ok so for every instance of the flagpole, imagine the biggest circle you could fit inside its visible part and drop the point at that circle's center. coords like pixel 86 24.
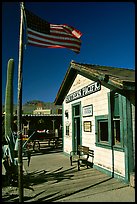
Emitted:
pixel 19 108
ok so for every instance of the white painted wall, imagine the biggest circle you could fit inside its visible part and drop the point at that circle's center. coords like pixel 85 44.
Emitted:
pixel 99 99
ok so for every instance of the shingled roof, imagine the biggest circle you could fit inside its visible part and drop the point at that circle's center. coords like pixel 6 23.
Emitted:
pixel 111 77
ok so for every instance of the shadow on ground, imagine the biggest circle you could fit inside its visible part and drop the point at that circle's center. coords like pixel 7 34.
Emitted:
pixel 49 186
pixel 42 176
pixel 35 178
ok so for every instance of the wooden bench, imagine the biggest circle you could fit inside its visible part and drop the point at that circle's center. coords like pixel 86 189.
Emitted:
pixel 82 156
pixel 48 141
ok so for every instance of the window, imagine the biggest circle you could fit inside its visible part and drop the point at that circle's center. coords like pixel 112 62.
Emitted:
pixel 103 130
pixel 77 110
pixel 115 119
pixel 109 128
pixel 115 106
pixel 102 136
pixel 116 125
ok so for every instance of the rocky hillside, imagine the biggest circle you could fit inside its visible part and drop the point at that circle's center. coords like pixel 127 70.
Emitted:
pixel 30 106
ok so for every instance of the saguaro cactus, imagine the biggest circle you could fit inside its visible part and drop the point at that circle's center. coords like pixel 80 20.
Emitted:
pixel 9 107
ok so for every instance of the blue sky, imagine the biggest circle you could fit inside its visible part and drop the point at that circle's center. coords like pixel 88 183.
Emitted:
pixel 108 38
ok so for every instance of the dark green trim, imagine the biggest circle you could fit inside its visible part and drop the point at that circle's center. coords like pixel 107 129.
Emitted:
pixel 103 145
pixel 129 85
pixel 110 145
pixel 100 117
pixel 72 127
pixel 121 121
pixel 128 138
pixel 63 133
pixel 118 148
pixel 110 120
pixel 126 135
pixel 99 143
pixel 80 124
pixel 72 108
pixel 125 138
pixel 109 173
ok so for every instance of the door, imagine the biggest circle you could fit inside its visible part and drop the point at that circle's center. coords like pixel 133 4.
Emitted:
pixel 76 136
pixel 76 132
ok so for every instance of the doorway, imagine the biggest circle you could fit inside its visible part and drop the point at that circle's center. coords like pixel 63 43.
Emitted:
pixel 76 136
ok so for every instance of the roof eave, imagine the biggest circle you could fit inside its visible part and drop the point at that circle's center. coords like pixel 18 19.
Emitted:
pixel 105 80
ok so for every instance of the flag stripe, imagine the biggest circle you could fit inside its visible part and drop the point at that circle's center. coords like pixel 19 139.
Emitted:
pixel 67 29
pixel 51 46
pixel 48 35
pixel 59 38
pixel 53 42
pixel 54 35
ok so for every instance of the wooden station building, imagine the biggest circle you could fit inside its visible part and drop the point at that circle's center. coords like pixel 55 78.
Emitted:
pixel 98 110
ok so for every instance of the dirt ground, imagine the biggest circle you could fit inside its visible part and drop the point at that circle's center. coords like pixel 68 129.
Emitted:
pixel 50 178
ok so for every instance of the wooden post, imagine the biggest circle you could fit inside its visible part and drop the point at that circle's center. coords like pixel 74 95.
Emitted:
pixel 19 108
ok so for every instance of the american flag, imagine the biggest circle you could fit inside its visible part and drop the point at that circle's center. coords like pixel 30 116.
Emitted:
pixel 43 34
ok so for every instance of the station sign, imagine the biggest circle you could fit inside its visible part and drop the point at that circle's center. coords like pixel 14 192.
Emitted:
pixel 91 88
